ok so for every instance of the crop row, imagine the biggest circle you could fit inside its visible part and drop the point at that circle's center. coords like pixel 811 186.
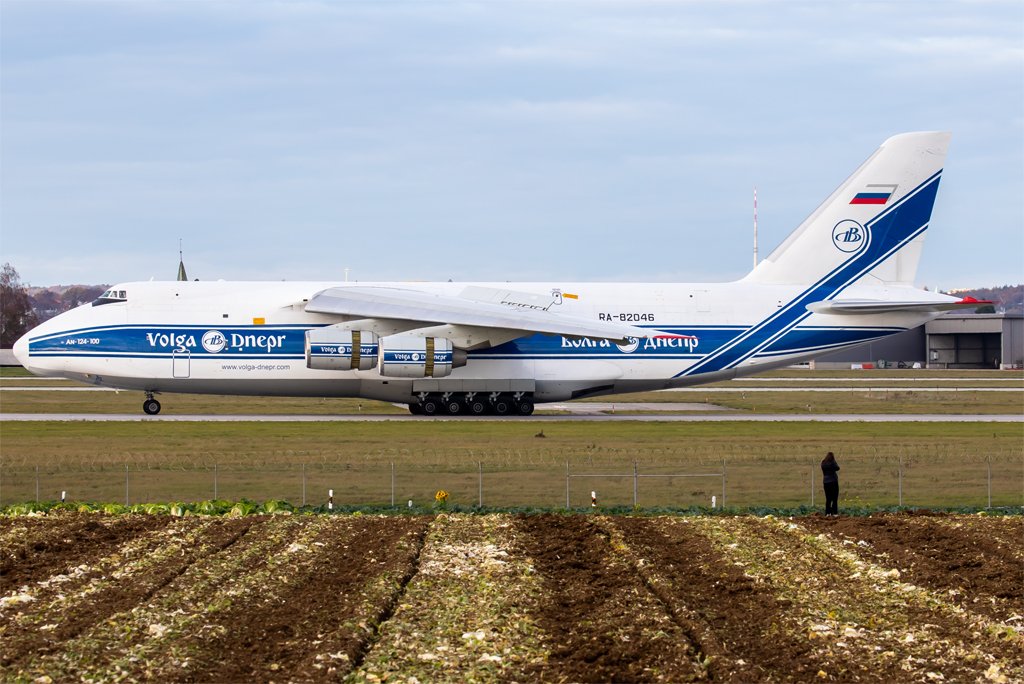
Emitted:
pixel 498 597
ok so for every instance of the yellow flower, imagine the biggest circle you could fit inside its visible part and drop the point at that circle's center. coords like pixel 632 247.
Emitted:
pixel 441 496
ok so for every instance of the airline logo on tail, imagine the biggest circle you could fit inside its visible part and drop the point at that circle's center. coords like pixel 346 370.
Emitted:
pixel 848 235
pixel 874 194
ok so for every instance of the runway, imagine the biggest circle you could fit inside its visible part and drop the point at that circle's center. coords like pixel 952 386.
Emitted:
pixel 587 417
pixel 704 390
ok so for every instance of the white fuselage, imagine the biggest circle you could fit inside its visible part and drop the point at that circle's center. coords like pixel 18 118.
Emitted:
pixel 158 339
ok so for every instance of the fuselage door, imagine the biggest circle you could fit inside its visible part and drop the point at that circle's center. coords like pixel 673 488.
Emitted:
pixel 702 299
pixel 181 359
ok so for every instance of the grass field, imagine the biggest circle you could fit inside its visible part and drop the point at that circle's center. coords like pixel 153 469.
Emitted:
pixel 525 464
pixel 765 464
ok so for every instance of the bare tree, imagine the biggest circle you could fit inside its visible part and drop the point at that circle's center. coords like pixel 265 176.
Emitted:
pixel 77 295
pixel 16 316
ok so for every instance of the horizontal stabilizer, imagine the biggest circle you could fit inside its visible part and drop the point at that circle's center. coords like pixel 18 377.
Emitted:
pixel 879 306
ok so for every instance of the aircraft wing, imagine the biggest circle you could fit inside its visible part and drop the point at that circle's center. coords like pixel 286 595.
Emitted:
pixel 509 316
pixel 881 306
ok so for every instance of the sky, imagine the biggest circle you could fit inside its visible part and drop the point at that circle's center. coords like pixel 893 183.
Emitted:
pixel 430 140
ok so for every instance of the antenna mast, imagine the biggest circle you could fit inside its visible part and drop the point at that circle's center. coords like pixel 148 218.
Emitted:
pixel 181 263
pixel 755 226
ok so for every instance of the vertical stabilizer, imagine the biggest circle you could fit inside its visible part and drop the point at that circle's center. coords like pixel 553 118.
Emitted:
pixel 872 226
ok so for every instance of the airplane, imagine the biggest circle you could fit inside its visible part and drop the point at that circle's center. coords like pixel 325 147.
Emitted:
pixel 843 278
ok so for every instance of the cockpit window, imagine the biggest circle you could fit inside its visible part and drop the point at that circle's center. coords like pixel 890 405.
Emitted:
pixel 111 297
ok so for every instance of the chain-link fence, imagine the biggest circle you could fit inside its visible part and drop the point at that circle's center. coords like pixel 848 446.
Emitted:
pixel 937 477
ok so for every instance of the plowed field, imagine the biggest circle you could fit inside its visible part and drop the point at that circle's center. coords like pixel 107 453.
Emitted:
pixel 895 597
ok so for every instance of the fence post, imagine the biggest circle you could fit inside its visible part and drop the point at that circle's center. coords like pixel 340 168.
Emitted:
pixel 812 485
pixel 392 484
pixel 634 484
pixel 988 462
pixel 37 484
pixel 125 484
pixel 215 497
pixel 899 471
pixel 303 484
pixel 567 485
pixel 723 483
pixel 480 467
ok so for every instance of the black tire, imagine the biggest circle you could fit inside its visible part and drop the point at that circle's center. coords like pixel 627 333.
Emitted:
pixel 416 409
pixel 525 407
pixel 476 407
pixel 151 407
pixel 430 406
pixel 453 407
pixel 501 406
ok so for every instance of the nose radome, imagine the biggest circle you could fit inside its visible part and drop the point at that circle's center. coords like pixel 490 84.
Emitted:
pixel 21 350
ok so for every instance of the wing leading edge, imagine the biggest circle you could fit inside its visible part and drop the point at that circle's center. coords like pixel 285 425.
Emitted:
pixel 478 309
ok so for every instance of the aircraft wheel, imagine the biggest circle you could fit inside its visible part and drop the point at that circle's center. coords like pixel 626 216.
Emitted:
pixel 453 407
pixel 476 407
pixel 430 406
pixel 525 407
pixel 416 409
pixel 501 406
pixel 151 406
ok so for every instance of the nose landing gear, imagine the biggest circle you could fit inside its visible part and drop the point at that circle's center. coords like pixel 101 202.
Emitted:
pixel 151 406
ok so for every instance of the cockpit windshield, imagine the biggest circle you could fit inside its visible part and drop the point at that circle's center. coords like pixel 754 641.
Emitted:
pixel 111 296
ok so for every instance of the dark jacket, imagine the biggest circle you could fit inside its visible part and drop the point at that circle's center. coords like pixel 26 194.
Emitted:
pixel 829 472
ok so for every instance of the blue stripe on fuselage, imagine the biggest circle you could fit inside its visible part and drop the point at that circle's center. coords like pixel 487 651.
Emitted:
pixel 888 232
pixel 134 342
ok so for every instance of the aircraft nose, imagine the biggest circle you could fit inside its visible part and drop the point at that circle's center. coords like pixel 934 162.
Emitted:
pixel 21 350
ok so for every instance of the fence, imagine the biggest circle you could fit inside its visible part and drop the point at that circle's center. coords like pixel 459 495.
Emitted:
pixel 645 480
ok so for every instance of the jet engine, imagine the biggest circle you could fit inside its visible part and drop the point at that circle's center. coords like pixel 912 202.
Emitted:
pixel 333 349
pixel 410 356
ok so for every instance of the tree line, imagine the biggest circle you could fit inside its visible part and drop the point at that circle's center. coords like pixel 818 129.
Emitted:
pixel 22 307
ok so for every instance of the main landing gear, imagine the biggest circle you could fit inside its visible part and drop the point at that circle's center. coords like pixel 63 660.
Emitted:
pixel 151 406
pixel 473 404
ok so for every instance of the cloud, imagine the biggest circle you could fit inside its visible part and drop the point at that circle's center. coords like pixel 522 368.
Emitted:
pixel 517 138
pixel 588 109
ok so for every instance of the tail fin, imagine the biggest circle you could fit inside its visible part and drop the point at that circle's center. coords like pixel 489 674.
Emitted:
pixel 872 226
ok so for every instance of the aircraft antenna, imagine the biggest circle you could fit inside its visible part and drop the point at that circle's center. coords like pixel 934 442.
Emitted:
pixel 755 226
pixel 181 263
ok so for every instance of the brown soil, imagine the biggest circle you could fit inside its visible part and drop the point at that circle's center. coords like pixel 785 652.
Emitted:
pixel 730 618
pixel 987 576
pixel 51 545
pixel 943 627
pixel 321 610
pixel 20 646
pixel 601 622
pixel 1007 532
pixel 622 598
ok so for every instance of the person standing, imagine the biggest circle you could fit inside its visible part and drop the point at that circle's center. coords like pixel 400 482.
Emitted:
pixel 830 478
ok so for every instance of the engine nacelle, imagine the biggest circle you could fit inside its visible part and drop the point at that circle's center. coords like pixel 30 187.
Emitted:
pixel 409 356
pixel 332 349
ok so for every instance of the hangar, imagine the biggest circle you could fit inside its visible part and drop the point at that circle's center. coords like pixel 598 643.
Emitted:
pixel 975 341
pixel 956 340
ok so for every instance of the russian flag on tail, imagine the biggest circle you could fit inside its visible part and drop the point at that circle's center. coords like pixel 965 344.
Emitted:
pixel 874 194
